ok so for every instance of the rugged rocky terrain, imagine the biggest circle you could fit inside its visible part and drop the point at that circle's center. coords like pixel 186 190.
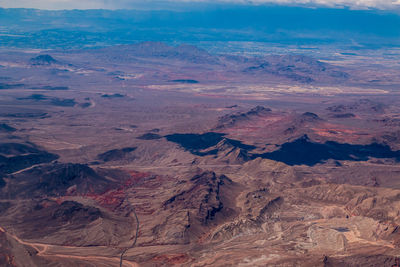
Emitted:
pixel 216 159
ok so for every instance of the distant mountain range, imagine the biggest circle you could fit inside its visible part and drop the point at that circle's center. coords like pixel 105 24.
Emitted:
pixel 286 25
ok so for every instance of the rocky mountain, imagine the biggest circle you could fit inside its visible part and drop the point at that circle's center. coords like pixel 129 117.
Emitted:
pixel 17 156
pixel 206 199
pixel 54 180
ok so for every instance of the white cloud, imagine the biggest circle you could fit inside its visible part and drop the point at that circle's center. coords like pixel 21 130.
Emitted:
pixel 54 4
pixel 115 4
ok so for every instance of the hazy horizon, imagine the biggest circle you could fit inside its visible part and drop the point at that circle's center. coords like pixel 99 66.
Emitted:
pixel 388 5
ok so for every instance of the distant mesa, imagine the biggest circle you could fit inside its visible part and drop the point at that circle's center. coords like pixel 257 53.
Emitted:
pixel 52 88
pixel 116 95
pixel 343 115
pixel 34 97
pixel 149 136
pixel 26 115
pixel 115 154
pixel 63 102
pixel 230 120
pixel 5 128
pixel 43 60
pixel 4 86
pixel 232 106
pixel 55 101
pixel 184 81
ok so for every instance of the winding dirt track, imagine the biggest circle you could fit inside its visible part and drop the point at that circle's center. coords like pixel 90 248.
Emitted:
pixel 44 248
pixel 134 241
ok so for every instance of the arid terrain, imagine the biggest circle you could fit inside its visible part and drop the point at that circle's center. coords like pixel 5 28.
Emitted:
pixel 218 159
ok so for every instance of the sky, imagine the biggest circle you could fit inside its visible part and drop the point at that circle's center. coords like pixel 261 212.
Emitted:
pixel 151 4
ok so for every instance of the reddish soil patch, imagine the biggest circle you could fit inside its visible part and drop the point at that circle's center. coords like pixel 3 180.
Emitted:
pixel 136 177
pixel 113 198
pixel 259 126
pixel 172 258
pixel 340 133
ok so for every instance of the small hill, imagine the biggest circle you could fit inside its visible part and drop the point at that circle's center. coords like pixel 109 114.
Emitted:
pixel 149 136
pixel 230 120
pixel 116 95
pixel 115 154
pixel 43 60
pixel 5 128
pixel 308 117
pixel 54 101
